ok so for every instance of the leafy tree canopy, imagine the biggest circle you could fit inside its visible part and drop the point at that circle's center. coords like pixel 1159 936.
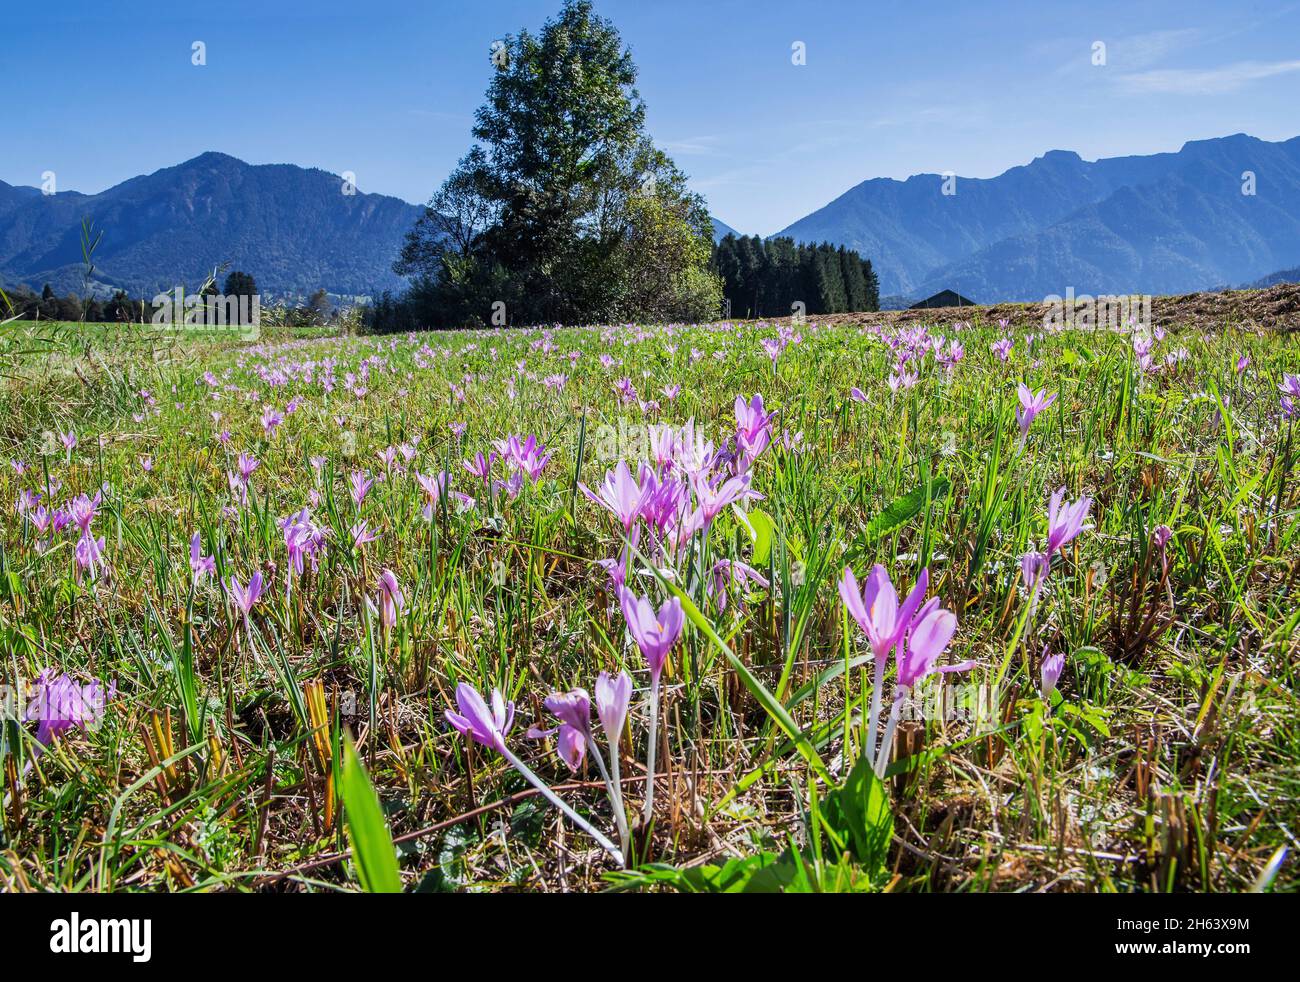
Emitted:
pixel 564 210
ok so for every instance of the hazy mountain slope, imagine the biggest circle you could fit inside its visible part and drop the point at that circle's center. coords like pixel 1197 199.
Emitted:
pixel 1004 237
pixel 291 227
pixel 721 229
pixel 1190 229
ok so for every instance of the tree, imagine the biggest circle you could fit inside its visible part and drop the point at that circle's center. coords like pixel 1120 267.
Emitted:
pixel 855 285
pixel 871 295
pixel 319 306
pixel 240 284
pixel 765 278
pixel 566 210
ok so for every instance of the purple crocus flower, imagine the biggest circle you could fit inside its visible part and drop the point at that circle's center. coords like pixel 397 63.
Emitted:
pixel 655 634
pixel 753 427
pixel 1051 672
pixel 735 574
pixel 620 493
pixel 876 608
pixel 391 601
pixel 613 696
pixel 434 488
pixel 1031 404
pixel 480 466
pixel 927 638
pixel 713 499
pixel 1033 567
pixel 360 486
pixel 476 721
pixel 58 704
pixel 271 420
pixel 244 598
pixel 361 534
pixel 200 565
pixel 573 708
pixel 89 554
pixel 1290 389
pixel 247 464
pixel 1065 522
pixel 83 509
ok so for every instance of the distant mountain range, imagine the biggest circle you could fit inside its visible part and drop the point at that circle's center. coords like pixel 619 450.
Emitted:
pixel 293 228
pixel 1165 223
pixel 1272 279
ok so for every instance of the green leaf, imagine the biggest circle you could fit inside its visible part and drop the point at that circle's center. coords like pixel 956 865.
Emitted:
pixel 762 530
pixel 860 815
pixel 372 846
pixel 903 510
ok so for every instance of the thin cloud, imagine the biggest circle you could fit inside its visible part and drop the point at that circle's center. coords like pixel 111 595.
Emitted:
pixel 1142 50
pixel 700 146
pixel 1206 81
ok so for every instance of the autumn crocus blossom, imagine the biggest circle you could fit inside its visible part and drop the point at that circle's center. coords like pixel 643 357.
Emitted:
pixel 1031 404
pixel 753 427
pixel 200 565
pixel 58 704
pixel 482 725
pixel 613 695
pixel 434 488
pixel 1290 389
pixel 1065 521
pixel 1051 672
pixel 876 609
pixel 573 709
pixel 620 493
pixel 391 601
pixel 490 727
pixel 655 634
pixel 925 640
pixel 245 597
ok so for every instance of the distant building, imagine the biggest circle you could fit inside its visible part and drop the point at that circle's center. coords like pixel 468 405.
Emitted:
pixel 944 298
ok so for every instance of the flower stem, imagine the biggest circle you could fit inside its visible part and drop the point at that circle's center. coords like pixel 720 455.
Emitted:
pixel 614 791
pixel 874 716
pixel 887 744
pixel 650 753
pixel 555 800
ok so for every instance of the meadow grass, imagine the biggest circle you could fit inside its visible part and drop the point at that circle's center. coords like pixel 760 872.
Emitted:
pixel 1168 758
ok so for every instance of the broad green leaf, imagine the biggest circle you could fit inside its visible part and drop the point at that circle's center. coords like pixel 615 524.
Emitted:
pixel 762 530
pixel 859 813
pixel 372 846
pixel 903 510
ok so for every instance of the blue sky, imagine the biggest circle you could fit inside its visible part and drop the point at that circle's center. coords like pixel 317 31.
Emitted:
pixel 99 92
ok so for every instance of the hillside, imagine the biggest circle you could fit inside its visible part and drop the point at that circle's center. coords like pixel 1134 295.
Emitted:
pixel 291 227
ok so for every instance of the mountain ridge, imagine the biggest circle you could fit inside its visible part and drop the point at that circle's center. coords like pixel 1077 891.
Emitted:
pixel 294 228
pixel 991 240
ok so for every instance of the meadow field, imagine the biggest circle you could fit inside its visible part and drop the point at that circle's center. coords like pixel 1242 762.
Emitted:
pixel 948 607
